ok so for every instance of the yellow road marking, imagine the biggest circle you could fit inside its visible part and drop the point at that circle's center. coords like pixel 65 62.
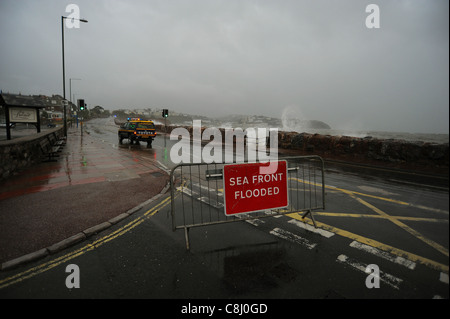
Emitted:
pixel 382 214
pixel 399 252
pixel 395 219
pixel 399 202
pixel 413 232
pixel 417 219
pixel 395 201
pixel 99 242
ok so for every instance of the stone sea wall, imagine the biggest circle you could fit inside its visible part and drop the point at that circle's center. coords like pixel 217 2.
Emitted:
pixel 22 152
pixel 383 150
pixel 364 150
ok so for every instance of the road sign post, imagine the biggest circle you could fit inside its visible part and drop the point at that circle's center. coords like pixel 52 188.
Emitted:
pixel 247 188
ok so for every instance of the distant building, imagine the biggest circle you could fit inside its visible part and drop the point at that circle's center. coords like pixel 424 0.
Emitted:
pixel 53 107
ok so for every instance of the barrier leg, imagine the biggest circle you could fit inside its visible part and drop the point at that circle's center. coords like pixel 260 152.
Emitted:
pixel 311 215
pixel 186 237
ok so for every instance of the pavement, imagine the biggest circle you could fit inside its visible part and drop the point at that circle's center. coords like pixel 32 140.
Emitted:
pixel 52 205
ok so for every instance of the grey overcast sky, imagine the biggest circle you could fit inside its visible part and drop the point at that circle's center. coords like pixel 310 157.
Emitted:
pixel 219 57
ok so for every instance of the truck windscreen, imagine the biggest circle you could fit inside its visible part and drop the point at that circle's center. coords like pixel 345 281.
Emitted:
pixel 145 126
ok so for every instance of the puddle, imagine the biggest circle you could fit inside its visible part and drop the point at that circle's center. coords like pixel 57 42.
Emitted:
pixel 376 190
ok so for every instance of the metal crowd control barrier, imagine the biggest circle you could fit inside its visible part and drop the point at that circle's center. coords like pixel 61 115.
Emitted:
pixel 197 197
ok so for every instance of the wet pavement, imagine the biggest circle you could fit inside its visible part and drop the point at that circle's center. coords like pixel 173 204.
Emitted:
pixel 89 184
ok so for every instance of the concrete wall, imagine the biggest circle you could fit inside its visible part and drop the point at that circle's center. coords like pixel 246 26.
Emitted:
pixel 22 152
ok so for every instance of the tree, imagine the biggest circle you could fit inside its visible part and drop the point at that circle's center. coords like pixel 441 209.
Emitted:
pixel 99 111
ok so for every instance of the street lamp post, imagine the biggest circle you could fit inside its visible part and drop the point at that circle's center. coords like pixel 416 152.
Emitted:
pixel 64 70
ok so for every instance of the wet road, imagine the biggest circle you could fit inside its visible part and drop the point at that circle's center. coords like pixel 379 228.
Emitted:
pixel 370 219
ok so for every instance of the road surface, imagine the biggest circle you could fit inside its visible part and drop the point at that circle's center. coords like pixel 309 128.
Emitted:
pixel 375 222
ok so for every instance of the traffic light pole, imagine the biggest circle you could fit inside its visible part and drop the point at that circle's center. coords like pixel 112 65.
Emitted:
pixel 165 114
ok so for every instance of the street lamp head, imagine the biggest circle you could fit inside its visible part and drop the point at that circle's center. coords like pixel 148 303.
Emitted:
pixel 82 20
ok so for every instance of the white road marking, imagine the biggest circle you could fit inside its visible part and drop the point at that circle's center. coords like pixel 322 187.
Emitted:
pixel 379 253
pixel 281 233
pixel 164 167
pixel 255 222
pixel 443 277
pixel 310 228
pixel 384 277
pixel 203 199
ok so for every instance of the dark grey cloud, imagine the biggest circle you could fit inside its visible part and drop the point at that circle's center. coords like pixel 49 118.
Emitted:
pixel 247 57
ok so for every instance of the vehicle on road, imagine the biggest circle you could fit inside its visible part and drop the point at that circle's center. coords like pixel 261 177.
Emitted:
pixel 137 130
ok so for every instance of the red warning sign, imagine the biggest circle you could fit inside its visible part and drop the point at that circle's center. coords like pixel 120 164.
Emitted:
pixel 254 187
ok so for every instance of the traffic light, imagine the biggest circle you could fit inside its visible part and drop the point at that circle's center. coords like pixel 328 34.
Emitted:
pixel 165 113
pixel 81 104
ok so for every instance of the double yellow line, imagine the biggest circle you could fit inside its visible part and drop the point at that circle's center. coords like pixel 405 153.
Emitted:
pixel 73 254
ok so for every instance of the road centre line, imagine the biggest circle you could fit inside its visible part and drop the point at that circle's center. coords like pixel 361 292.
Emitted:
pixel 99 242
pixel 371 242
